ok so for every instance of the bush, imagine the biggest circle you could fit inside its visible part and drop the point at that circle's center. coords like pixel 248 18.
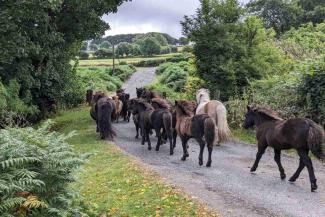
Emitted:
pixel 37 167
pixel 150 63
pixel 174 77
pixel 103 53
pixel 83 55
pixel 165 50
pixel 312 91
pixel 174 49
pixel 103 78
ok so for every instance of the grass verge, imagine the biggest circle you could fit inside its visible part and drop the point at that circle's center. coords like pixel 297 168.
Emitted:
pixel 115 184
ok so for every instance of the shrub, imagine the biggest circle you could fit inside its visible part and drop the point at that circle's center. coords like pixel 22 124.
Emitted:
pixel 174 49
pixel 312 90
pixel 150 63
pixel 83 55
pixel 36 168
pixel 103 53
pixel 163 67
pixel 165 50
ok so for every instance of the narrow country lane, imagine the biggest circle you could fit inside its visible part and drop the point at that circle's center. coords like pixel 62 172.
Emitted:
pixel 228 186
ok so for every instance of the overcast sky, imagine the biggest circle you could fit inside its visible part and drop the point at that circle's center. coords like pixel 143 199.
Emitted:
pixel 141 16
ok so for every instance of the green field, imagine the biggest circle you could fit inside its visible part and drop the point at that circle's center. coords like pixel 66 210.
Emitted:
pixel 116 185
pixel 131 60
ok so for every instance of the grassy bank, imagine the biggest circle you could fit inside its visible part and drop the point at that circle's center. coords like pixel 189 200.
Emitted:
pixel 115 184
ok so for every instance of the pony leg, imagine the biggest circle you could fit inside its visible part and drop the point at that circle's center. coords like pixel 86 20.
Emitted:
pixel 143 134
pixel 210 148
pixel 184 144
pixel 174 138
pixel 137 129
pixel 303 154
pixel 148 139
pixel 159 139
pixel 202 145
pixel 297 173
pixel 260 152
pixel 277 159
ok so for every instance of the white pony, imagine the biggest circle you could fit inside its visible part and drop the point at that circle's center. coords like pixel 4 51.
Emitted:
pixel 217 111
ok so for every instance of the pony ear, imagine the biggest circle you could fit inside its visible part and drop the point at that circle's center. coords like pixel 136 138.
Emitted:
pixel 176 102
pixel 249 108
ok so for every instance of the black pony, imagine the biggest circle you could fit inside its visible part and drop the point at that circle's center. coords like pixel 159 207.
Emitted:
pixel 140 91
pixel 302 134
pixel 158 103
pixel 149 118
pixel 105 108
pixel 89 96
pixel 135 116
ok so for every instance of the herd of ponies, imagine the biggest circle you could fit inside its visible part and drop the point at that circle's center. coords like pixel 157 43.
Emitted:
pixel 205 121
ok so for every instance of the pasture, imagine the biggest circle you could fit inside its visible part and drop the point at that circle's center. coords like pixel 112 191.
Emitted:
pixel 128 60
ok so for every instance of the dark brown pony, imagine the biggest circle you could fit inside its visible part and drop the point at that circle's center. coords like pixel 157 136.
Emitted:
pixel 301 134
pixel 149 94
pixel 105 108
pixel 97 96
pixel 158 103
pixel 89 96
pixel 189 126
pixel 149 118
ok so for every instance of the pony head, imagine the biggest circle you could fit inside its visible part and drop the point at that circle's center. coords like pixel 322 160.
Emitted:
pixel 202 95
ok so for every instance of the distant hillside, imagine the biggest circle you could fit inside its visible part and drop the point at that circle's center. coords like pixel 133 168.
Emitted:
pixel 116 39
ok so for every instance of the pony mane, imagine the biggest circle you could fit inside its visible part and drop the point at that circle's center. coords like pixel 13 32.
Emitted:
pixel 268 112
pixel 145 104
pixel 186 107
pixel 161 102
pixel 203 95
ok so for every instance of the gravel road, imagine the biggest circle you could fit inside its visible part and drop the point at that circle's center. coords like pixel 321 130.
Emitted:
pixel 228 187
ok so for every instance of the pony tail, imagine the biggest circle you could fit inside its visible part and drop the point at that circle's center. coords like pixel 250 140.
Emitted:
pixel 209 131
pixel 315 140
pixel 105 122
pixel 222 124
pixel 168 120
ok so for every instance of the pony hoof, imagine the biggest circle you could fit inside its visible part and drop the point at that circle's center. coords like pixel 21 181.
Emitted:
pixel 253 170
pixel 208 164
pixel 157 149
pixel 183 158
pixel 283 176
pixel 200 162
pixel 313 187
pixel 292 179
pixel 171 153
pixel 149 148
pixel 187 155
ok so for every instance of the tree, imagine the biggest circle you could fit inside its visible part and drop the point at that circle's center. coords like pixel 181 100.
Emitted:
pixel 124 49
pixel 150 46
pixel 183 41
pixel 105 45
pixel 38 42
pixel 93 47
pixel 281 15
pixel 84 46
pixel 231 52
pixel 136 51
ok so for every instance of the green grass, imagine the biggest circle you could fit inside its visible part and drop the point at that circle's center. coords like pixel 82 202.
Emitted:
pixel 115 184
pixel 247 136
pixel 132 60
